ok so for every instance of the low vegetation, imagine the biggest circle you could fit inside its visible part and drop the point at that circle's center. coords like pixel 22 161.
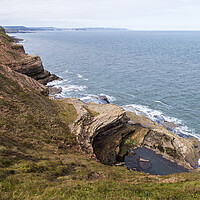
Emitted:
pixel 40 158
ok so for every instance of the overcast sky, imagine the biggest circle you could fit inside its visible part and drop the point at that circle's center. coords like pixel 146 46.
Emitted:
pixel 132 14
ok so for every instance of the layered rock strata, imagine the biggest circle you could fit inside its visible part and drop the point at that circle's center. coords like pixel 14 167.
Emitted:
pixel 111 133
pixel 24 81
pixel 13 55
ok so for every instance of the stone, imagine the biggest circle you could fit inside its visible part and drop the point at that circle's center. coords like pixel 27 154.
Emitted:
pixel 144 164
pixel 102 129
pixel 54 90
pixel 13 56
pixel 17 47
pixel 24 81
pixel 104 99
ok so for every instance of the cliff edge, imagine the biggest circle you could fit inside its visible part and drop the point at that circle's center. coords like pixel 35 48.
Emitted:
pixel 112 133
pixel 13 56
pixel 48 147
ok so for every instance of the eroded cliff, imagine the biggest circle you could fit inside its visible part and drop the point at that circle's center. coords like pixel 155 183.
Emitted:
pixel 13 55
pixel 40 157
pixel 111 134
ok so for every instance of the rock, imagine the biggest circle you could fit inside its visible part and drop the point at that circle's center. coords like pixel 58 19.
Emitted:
pixel 48 79
pixel 170 125
pixel 18 47
pixel 54 90
pixel 104 99
pixel 120 164
pixel 29 65
pixel 44 74
pixel 144 164
pixel 24 81
pixel 110 132
pixel 100 128
pixel 14 56
pixel 159 139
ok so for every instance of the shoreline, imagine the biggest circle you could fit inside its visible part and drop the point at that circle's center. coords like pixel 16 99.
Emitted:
pixel 185 127
pixel 59 90
pixel 160 119
pixel 17 40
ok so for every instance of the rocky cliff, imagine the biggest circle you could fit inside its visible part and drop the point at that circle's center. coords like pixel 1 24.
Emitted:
pixel 14 56
pixel 40 157
pixel 111 134
pixel 26 82
pixel 105 130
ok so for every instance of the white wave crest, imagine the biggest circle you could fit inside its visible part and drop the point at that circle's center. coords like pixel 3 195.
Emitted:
pixel 159 117
pixel 96 98
pixel 73 88
pixel 79 76
pixel 56 82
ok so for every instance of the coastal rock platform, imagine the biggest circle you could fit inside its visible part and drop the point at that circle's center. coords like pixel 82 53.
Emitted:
pixel 111 133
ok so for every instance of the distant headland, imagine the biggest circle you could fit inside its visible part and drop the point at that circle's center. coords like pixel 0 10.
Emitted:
pixel 24 29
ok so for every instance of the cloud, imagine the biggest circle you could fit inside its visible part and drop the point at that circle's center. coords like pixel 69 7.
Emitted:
pixel 120 13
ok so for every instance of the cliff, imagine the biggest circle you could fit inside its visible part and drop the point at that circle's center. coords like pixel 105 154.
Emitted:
pixel 111 133
pixel 48 148
pixel 14 56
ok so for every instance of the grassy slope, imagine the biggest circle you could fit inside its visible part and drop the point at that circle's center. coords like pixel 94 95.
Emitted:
pixel 40 159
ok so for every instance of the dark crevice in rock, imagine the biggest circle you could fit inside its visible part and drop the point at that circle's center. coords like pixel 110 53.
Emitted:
pixel 125 147
pixel 105 144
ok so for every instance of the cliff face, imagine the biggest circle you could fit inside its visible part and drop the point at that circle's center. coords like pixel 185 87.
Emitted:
pixel 27 83
pixel 39 155
pixel 111 133
pixel 105 130
pixel 14 56
pixel 2 30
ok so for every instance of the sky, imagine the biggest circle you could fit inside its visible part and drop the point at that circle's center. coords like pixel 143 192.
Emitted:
pixel 131 14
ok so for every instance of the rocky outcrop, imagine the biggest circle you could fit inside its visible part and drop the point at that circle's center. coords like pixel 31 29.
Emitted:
pixel 13 55
pixel 2 30
pixel 29 65
pixel 24 81
pixel 185 151
pixel 111 133
pixel 98 125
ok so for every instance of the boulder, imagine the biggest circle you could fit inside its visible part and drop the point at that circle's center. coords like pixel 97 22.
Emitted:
pixel 144 164
pixel 104 99
pixel 54 90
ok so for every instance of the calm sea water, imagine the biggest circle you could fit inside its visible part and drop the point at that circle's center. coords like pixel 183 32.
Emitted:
pixel 157 73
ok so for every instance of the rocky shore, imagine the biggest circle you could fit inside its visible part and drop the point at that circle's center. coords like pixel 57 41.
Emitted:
pixel 105 131
pixel 13 56
pixel 112 134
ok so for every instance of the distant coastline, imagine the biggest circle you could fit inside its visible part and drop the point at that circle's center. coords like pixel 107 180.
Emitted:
pixel 24 29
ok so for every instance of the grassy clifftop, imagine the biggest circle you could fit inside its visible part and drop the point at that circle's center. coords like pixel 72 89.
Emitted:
pixel 40 158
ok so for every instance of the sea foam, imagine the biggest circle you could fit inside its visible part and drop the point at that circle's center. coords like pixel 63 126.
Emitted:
pixel 157 116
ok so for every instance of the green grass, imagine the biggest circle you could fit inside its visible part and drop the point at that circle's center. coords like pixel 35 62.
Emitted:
pixel 40 158
pixel 91 112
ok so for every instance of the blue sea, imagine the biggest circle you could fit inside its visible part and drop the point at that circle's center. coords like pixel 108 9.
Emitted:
pixel 155 73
